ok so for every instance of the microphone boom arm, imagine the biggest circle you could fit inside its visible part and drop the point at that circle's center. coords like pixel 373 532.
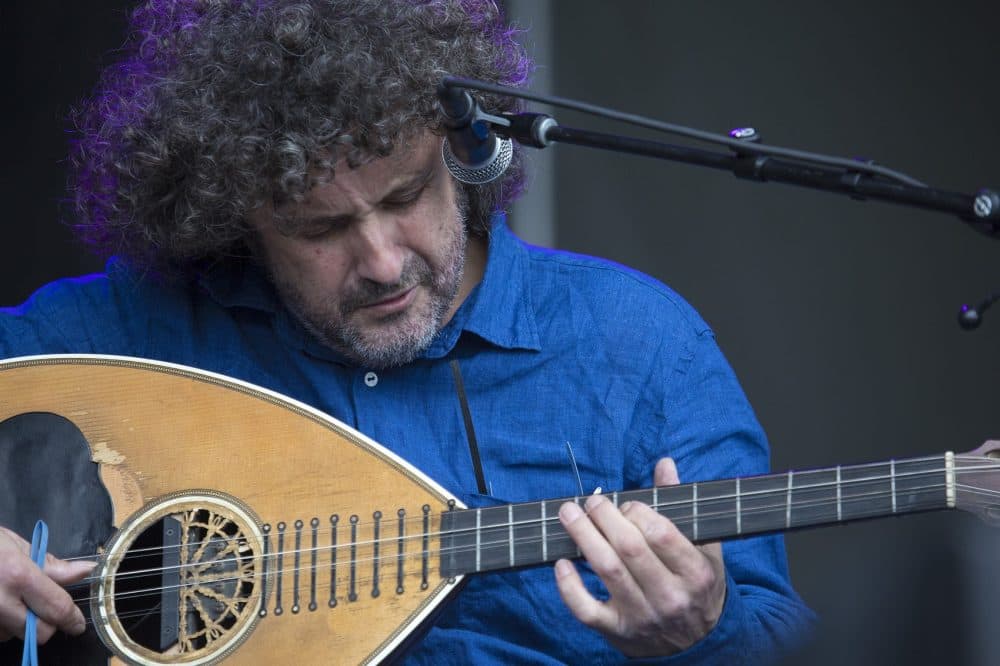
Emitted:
pixel 981 210
pixel 748 159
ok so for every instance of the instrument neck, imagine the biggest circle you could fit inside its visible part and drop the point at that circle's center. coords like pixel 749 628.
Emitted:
pixel 516 535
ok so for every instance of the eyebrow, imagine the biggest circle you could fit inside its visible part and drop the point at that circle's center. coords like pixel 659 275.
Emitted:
pixel 295 219
pixel 416 181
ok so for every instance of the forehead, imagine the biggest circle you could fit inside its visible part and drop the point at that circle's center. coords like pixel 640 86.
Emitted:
pixel 411 163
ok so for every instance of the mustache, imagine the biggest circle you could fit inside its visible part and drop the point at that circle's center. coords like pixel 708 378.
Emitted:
pixel 415 271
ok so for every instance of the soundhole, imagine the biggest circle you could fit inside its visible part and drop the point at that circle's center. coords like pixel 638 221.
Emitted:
pixel 184 582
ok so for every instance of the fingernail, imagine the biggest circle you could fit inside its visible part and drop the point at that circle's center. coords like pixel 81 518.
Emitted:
pixel 79 626
pixel 563 568
pixel 569 512
pixel 593 501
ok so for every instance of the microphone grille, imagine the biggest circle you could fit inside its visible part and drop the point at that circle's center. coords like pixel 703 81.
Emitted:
pixel 491 169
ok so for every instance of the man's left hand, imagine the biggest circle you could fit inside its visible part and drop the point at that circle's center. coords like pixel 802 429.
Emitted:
pixel 666 593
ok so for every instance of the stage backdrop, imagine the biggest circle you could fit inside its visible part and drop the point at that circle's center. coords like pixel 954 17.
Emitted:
pixel 837 315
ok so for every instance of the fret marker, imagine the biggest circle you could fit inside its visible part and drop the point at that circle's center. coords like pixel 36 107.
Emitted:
pixel 892 480
pixel 788 502
pixel 840 512
pixel 739 515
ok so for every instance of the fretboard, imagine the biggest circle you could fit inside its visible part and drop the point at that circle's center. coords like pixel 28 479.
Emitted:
pixel 517 535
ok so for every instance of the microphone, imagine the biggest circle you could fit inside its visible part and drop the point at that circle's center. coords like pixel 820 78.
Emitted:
pixel 970 318
pixel 473 153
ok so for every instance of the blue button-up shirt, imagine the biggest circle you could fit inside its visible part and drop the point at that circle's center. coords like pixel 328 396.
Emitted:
pixel 580 374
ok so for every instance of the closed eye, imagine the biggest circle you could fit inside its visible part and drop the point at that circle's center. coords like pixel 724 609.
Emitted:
pixel 320 227
pixel 402 200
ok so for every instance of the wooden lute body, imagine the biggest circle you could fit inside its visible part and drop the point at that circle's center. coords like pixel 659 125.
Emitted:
pixel 254 529
pixel 267 476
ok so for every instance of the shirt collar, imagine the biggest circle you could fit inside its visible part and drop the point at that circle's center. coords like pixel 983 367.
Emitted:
pixel 498 310
pixel 240 284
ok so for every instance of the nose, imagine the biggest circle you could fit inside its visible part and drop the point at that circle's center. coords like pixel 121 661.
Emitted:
pixel 378 254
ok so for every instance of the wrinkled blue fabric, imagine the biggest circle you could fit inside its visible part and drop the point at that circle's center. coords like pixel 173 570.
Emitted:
pixel 554 348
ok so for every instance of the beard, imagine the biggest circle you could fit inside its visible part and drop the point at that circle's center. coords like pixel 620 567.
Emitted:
pixel 395 339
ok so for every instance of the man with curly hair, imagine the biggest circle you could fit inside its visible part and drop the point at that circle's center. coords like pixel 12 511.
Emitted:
pixel 266 176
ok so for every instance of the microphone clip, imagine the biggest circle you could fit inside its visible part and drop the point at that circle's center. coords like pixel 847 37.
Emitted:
pixel 473 153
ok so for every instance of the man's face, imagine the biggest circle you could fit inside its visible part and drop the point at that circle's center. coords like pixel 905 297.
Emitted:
pixel 372 262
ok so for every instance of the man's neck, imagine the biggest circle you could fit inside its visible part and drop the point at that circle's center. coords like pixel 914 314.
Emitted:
pixel 476 250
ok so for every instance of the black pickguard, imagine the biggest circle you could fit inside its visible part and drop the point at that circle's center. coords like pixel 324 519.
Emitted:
pixel 46 474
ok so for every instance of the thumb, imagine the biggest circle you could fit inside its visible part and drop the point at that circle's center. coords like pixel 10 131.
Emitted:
pixel 665 473
pixel 65 572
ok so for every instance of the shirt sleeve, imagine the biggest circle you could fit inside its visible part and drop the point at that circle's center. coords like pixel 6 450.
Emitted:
pixel 701 418
pixel 78 315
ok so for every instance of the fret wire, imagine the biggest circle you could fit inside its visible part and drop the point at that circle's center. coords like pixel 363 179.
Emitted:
pixel 892 481
pixel 788 501
pixel 739 518
pixel 840 513
pixel 694 508
pixel 545 539
pixel 479 533
pixel 949 475
pixel 510 534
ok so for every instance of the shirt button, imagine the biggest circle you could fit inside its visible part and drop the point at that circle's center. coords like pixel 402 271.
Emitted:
pixel 371 379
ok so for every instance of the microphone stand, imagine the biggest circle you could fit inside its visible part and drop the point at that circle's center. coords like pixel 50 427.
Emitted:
pixel 980 210
pixel 749 160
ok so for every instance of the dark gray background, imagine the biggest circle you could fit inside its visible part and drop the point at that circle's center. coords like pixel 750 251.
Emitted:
pixel 838 315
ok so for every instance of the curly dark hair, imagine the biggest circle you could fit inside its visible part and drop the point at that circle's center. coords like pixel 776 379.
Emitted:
pixel 221 105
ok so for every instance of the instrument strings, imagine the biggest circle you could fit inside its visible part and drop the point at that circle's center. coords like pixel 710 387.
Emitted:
pixel 557 536
pixel 981 464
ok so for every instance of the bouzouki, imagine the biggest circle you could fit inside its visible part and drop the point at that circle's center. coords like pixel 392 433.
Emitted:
pixel 247 525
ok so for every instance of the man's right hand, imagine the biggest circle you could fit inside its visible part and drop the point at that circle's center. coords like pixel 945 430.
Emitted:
pixel 23 585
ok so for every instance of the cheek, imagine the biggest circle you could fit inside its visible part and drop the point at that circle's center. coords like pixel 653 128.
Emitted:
pixel 309 267
pixel 325 270
pixel 434 225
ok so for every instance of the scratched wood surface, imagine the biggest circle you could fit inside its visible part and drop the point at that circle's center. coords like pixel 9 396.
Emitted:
pixel 158 429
